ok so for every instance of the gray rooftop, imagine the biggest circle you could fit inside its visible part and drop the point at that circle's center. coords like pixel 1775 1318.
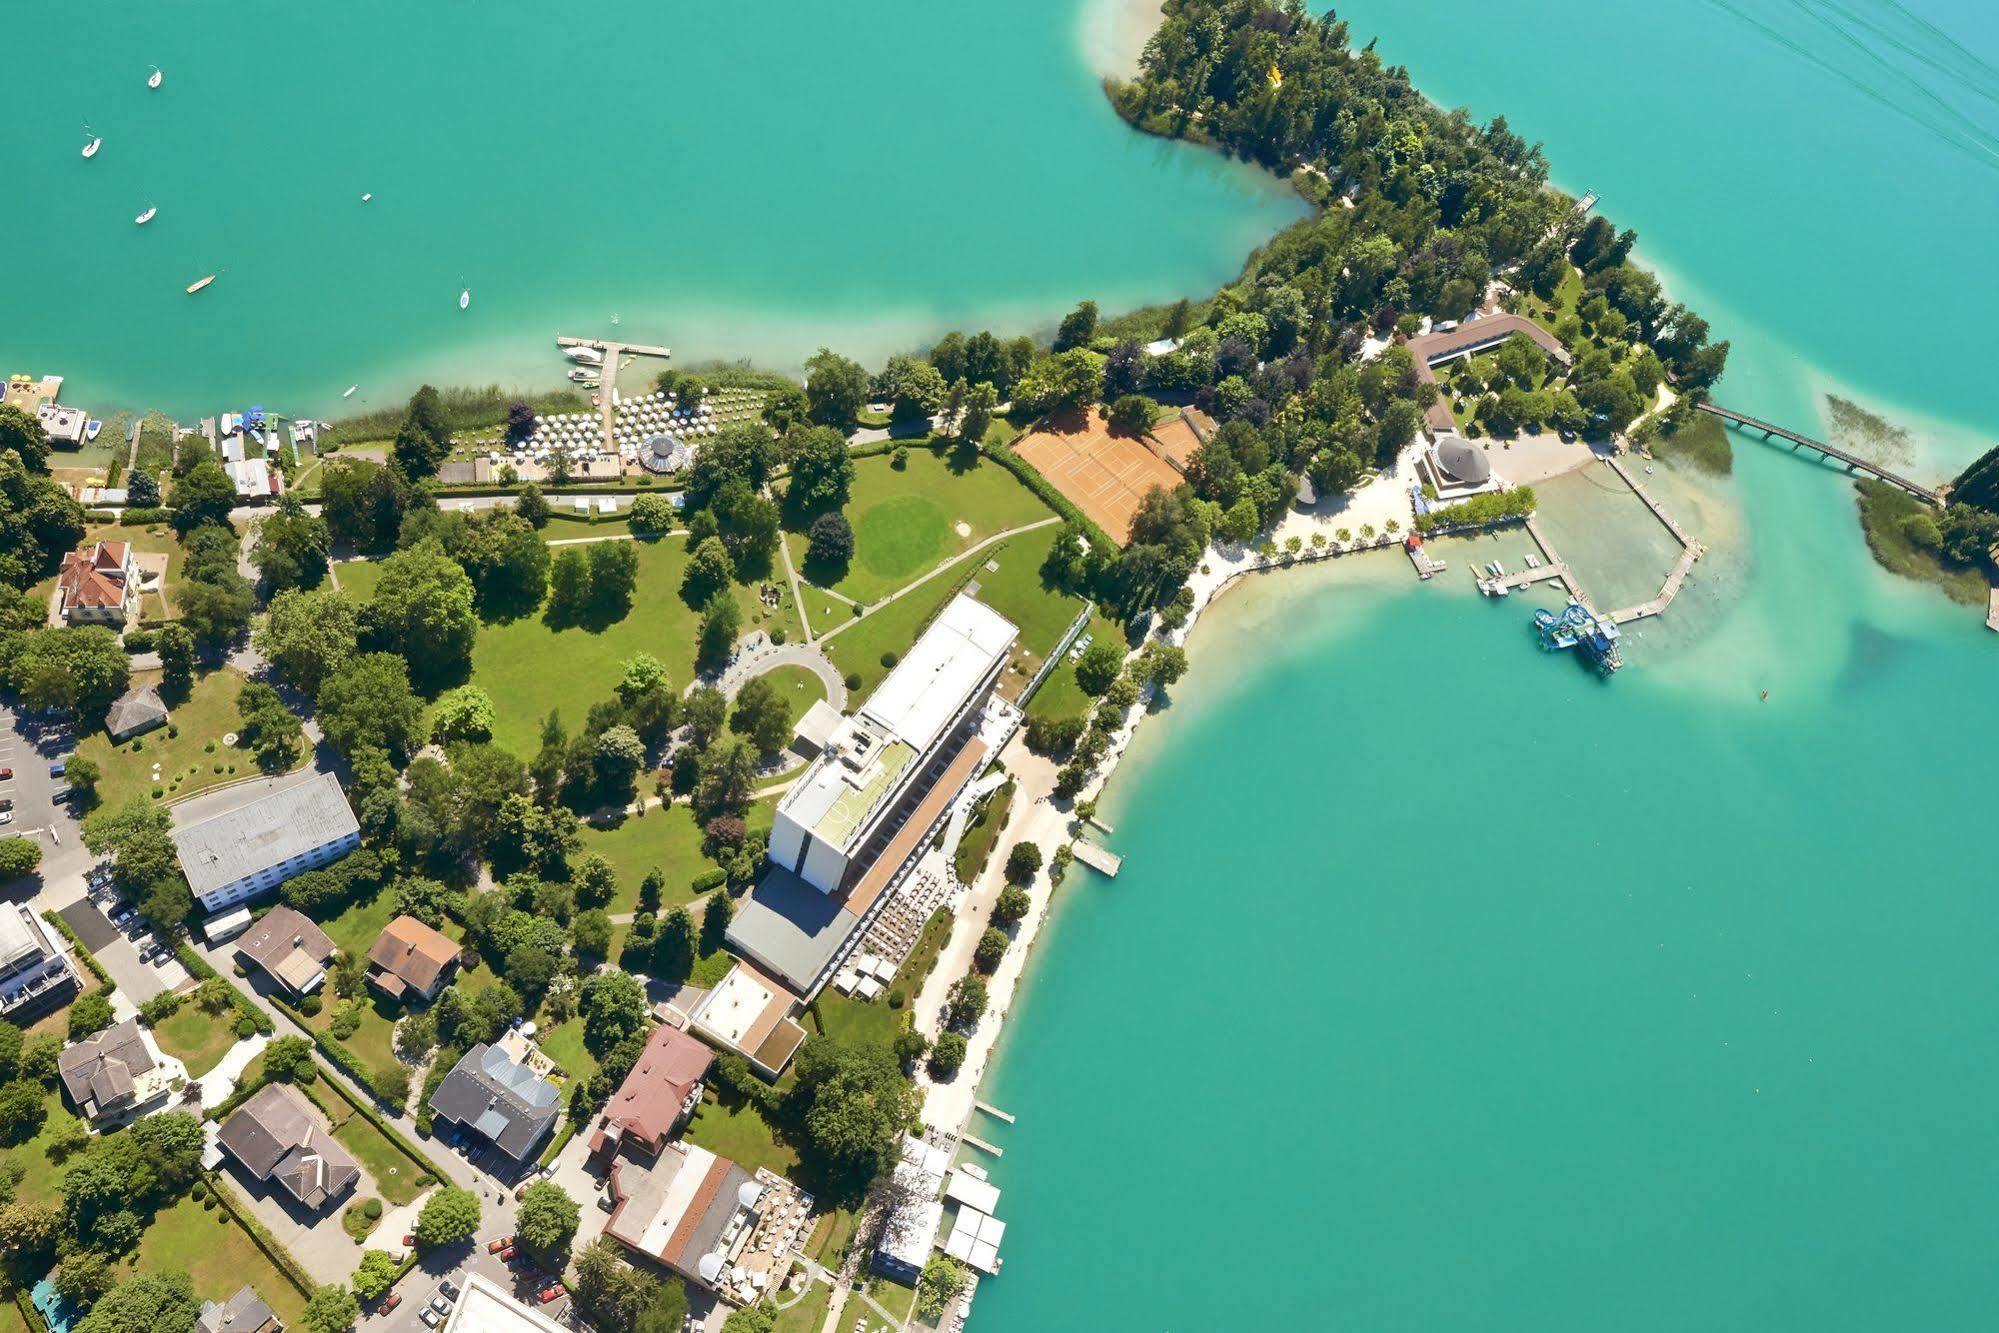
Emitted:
pixel 276 1137
pixel 245 1312
pixel 790 927
pixel 262 833
pixel 134 711
pixel 98 1071
pixel 22 938
pixel 1463 460
pixel 503 1102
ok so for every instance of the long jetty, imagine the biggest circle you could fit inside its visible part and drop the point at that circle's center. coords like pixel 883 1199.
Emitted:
pixel 1854 463
pixel 608 381
pixel 1690 551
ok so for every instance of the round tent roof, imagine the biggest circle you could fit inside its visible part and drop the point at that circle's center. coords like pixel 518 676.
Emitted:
pixel 1463 462
pixel 662 444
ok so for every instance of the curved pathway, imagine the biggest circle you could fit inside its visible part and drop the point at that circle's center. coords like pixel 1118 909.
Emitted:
pixel 753 664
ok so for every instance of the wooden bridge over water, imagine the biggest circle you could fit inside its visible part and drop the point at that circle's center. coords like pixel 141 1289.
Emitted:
pixel 1854 463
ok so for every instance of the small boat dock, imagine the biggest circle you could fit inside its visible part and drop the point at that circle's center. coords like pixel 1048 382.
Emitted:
pixel 607 383
pixel 993 1111
pixel 1097 858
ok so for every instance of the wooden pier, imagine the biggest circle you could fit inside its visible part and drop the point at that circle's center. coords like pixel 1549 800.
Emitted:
pixel 981 1145
pixel 1096 858
pixel 1854 463
pixel 607 381
pixel 1690 551
pixel 993 1111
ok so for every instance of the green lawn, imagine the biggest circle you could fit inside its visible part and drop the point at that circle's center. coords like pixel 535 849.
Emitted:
pixel 846 1019
pixel 374 1042
pixel 831 1236
pixel 809 1314
pixel 219 1255
pixel 1059 695
pixel 667 838
pixel 529 668
pixel 893 1297
pixel 358 578
pixel 186 763
pixel 796 686
pixel 916 968
pixel 977 843
pixel 197 1038
pixel 43 1176
pixel 739 1135
pixel 564 1045
pixel 394 1171
pixel 908 519
pixel 1041 611
pixel 857 651
pixel 361 923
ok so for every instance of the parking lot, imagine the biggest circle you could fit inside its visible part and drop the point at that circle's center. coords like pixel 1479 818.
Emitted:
pixel 522 1280
pixel 138 962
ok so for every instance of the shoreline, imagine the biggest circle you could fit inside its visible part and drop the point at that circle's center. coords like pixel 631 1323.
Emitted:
pixel 1113 34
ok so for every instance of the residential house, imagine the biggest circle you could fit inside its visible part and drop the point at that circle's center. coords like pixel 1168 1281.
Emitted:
pixel 288 946
pixel 277 1137
pixel 118 1072
pixel 248 851
pixel 504 1103
pixel 138 710
pixel 411 959
pixel 99 586
pixel 662 1090
pixel 245 1312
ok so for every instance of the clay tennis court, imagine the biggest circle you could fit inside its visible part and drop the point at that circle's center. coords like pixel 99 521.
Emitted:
pixel 1102 474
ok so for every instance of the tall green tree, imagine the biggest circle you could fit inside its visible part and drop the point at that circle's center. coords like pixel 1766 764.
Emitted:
pixel 423 441
pixel 836 389
pixel 423 609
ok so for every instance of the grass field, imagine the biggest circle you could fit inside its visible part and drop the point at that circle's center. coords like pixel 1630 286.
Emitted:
pixel 374 1042
pixel 741 1136
pixel 357 578
pixel 529 668
pixel 796 686
pixel 922 960
pixel 977 843
pixel 846 1019
pixel 808 1314
pixel 1041 611
pixel 394 1171
pixel 857 651
pixel 197 1038
pixel 908 519
pixel 1059 695
pixel 219 1255
pixel 186 764
pixel 361 923
pixel 667 838
pixel 564 1045
pixel 42 1176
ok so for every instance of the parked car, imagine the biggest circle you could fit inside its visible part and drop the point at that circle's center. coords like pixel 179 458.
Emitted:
pixel 6 816
pixel 439 1304
pixel 449 1288
pixel 499 1243
pixel 550 1292
pixel 430 1317
pixel 6 803
pixel 409 1240
pixel 6 774
pixel 389 1302
pixel 507 1255
pixel 56 770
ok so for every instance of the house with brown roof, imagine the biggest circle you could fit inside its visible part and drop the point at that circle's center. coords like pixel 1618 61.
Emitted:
pixel 277 1138
pixel 411 959
pixel 662 1090
pixel 99 586
pixel 288 946
pixel 118 1072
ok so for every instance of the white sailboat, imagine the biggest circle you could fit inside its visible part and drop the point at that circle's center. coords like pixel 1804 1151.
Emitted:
pixel 90 149
pixel 147 216
pixel 464 298
pixel 156 79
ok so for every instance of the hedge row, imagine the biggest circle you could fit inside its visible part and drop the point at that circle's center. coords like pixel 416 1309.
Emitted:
pixel 708 879
pixel 389 1131
pixel 245 1090
pixel 560 1141
pixel 342 1059
pixel 31 1318
pixel 198 966
pixel 1024 472
pixel 142 518
pixel 89 958
pixel 280 1257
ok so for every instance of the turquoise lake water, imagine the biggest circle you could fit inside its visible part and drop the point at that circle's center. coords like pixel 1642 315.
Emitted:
pixel 1445 987
pixel 727 180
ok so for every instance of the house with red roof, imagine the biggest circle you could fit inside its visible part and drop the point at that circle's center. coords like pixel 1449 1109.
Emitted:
pixel 662 1090
pixel 99 586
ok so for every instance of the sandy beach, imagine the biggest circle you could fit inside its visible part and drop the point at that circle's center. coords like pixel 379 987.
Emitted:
pixel 1114 32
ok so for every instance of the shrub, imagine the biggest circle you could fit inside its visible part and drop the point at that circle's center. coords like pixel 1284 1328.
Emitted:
pixel 947 1057
pixel 889 659
pixel 709 879
pixel 372 1209
pixel 853 683
pixel 346 1023
pixel 245 1028
pixel 311 1005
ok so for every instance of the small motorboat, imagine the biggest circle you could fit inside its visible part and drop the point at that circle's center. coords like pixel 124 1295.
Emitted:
pixel 350 391
pixel 90 149
pixel 367 197
pixel 464 298
pixel 582 373
pixel 196 286
pixel 157 78
pixel 587 355
pixel 90 429
pixel 146 216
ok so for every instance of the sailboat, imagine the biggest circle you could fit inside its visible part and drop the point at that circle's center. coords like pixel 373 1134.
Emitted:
pixel 350 391
pixel 147 216
pixel 90 149
pixel 194 287
pixel 156 78
pixel 464 298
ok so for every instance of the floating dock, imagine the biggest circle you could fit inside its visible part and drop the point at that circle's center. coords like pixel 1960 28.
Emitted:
pixel 981 1145
pixel 993 1111
pixel 1096 858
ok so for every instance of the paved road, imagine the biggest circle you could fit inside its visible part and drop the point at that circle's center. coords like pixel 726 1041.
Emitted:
pixel 748 666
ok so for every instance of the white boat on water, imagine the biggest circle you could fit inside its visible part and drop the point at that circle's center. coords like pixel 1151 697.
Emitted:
pixel 146 216
pixel 90 149
pixel 587 355
pixel 367 197
pixel 465 298
pixel 350 391
pixel 156 79
pixel 582 373
pixel 90 429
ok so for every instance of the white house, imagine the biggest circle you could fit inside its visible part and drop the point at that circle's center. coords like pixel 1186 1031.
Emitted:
pixel 246 852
